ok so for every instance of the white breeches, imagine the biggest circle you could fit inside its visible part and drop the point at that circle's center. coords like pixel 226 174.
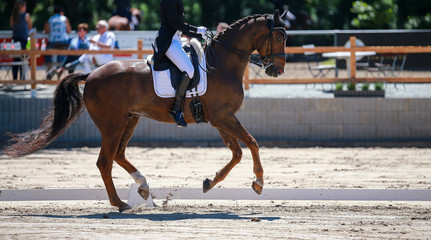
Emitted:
pixel 177 55
pixel 86 60
pixel 100 59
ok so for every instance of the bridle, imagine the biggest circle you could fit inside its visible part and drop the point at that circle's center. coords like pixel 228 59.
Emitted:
pixel 269 59
pixel 264 62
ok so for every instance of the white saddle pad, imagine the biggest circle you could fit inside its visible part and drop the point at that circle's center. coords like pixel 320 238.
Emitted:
pixel 162 81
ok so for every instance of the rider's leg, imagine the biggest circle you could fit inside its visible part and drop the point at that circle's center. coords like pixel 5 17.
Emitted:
pixel 87 66
pixel 177 55
pixel 176 111
pixel 83 58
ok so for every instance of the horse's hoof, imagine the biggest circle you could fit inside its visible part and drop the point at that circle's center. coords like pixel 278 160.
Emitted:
pixel 124 207
pixel 206 185
pixel 144 192
pixel 257 187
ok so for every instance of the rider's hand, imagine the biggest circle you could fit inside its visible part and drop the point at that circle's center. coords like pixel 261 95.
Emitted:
pixel 201 30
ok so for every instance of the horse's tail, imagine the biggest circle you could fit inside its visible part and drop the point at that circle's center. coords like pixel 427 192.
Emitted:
pixel 67 107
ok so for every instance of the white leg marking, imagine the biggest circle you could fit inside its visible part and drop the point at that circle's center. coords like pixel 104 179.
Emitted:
pixel 139 178
pixel 144 189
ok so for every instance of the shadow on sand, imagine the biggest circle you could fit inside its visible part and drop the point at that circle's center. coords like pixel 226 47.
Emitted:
pixel 164 216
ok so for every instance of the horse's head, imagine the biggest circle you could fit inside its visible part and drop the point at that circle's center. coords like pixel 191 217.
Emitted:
pixel 271 48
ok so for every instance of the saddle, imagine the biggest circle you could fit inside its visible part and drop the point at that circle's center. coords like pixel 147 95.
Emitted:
pixel 197 84
pixel 175 72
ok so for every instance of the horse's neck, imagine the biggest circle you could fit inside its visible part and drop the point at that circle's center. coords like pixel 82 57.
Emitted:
pixel 232 53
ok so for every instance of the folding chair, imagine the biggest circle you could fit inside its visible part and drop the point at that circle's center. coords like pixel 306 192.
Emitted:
pixel 390 65
pixel 315 63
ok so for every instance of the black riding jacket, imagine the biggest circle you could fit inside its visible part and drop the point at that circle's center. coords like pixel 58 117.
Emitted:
pixel 172 17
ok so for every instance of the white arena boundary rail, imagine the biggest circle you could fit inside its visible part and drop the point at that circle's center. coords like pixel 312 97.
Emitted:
pixel 220 194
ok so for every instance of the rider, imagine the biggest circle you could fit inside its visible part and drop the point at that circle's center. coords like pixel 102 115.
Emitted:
pixel 168 43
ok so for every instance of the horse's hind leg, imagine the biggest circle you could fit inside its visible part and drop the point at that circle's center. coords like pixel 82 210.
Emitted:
pixel 110 141
pixel 233 127
pixel 120 158
pixel 234 146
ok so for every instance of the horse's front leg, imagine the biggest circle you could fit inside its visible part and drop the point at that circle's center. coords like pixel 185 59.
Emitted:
pixel 233 145
pixel 231 125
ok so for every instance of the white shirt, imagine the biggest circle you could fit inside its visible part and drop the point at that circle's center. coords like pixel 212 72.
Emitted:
pixel 107 38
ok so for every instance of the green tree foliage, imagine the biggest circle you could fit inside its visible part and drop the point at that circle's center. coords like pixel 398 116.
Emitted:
pixel 215 11
pixel 414 14
pixel 150 14
pixel 376 14
pixel 326 14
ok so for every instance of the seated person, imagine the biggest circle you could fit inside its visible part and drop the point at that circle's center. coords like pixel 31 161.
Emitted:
pixel 103 40
pixel 80 42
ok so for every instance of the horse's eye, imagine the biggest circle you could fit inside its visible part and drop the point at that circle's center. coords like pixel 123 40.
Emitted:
pixel 279 39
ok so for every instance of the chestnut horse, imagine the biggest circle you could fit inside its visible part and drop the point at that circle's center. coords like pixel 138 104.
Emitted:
pixel 117 94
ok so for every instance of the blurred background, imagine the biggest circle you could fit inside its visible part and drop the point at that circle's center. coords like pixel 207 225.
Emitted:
pixel 325 14
pixel 403 115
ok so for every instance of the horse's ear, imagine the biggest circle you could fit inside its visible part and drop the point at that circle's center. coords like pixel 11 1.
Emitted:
pixel 276 14
pixel 283 18
pixel 277 20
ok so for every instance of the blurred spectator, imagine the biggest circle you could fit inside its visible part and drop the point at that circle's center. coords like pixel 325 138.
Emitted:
pixel 221 27
pixel 80 42
pixel 103 40
pixel 20 22
pixel 58 27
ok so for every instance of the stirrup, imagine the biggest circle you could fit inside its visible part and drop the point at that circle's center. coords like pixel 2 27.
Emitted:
pixel 179 118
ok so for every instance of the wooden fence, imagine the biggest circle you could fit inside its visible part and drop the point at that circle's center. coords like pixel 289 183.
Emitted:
pixel 34 53
pixel 353 77
pixel 140 52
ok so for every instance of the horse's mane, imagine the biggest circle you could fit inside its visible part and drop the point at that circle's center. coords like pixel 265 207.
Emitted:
pixel 237 24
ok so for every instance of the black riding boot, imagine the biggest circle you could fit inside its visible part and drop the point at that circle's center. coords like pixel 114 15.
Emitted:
pixel 176 111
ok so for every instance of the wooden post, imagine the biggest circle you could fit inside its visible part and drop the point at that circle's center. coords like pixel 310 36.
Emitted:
pixel 140 48
pixel 246 76
pixel 33 63
pixel 352 58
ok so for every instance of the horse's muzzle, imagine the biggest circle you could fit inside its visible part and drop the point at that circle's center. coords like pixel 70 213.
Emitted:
pixel 274 71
